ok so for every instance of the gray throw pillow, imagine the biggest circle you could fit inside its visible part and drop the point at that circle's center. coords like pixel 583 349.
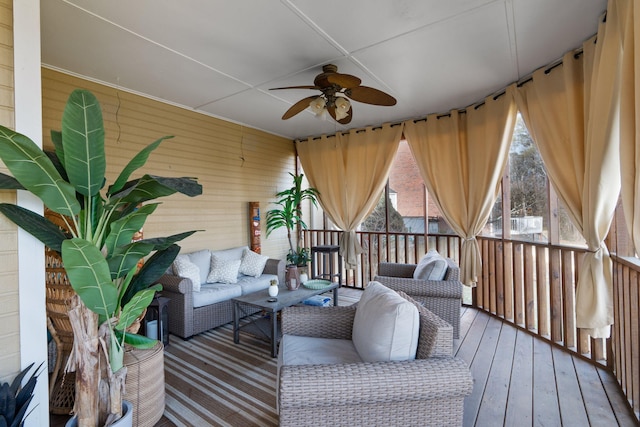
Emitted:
pixel 432 266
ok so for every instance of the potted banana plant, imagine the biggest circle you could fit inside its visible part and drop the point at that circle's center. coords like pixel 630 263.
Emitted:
pixel 96 247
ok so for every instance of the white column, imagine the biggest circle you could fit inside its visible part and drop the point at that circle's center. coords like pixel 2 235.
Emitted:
pixel 28 120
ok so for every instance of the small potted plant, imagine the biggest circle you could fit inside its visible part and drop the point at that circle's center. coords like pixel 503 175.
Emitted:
pixel 97 251
pixel 289 215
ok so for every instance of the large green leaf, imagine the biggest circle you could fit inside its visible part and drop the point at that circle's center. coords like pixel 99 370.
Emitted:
pixel 57 164
pixel 134 308
pixel 33 169
pixel 160 243
pixel 135 340
pixel 83 142
pixel 126 257
pixel 137 162
pixel 151 187
pixel 151 271
pixel 56 138
pixel 36 225
pixel 122 231
pixel 8 182
pixel 89 275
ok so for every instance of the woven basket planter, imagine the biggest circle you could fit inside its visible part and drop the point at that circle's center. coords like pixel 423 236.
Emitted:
pixel 144 386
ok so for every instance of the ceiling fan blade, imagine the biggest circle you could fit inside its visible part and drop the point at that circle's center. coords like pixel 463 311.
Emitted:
pixel 296 87
pixel 298 107
pixel 343 80
pixel 369 95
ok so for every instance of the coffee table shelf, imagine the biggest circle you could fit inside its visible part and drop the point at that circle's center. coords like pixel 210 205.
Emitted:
pixel 285 298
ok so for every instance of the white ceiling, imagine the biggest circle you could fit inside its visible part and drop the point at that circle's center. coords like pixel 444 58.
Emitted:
pixel 221 57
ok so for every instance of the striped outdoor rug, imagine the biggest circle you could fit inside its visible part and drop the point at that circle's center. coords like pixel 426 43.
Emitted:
pixel 210 381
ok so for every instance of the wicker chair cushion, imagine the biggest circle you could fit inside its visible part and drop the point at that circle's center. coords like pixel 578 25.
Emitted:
pixel 183 267
pixel 432 266
pixel 298 350
pixel 223 270
pixel 386 326
pixel 252 264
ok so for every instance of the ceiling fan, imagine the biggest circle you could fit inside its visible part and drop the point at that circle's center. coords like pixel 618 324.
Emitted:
pixel 336 90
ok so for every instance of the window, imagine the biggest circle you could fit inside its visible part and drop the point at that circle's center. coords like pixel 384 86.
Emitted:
pixel 529 209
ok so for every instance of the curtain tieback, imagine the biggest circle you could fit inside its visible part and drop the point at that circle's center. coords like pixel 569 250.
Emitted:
pixel 469 239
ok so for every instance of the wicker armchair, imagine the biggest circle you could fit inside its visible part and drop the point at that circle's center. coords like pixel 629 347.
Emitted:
pixel 427 391
pixel 442 297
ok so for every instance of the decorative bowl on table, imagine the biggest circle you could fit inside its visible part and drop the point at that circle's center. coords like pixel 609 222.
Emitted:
pixel 316 284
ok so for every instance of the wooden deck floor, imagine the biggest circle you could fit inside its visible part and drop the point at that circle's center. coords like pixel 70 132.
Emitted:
pixel 520 380
pixel 523 381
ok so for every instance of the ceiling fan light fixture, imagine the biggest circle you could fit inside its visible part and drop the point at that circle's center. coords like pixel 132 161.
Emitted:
pixel 342 107
pixel 318 105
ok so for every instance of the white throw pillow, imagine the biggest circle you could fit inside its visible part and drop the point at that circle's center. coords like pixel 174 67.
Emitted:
pixel 432 266
pixel 183 267
pixel 252 264
pixel 223 270
pixel 202 259
pixel 386 326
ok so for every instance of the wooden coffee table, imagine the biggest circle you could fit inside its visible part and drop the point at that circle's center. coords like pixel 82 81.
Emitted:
pixel 285 298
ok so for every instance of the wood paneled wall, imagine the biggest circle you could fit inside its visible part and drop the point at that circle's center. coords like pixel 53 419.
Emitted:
pixel 9 316
pixel 234 164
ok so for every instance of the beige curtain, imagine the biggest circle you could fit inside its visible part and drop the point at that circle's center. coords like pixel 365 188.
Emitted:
pixel 571 113
pixel 350 171
pixel 627 13
pixel 461 158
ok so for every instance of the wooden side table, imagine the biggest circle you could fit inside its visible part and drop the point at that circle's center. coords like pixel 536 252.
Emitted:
pixel 326 263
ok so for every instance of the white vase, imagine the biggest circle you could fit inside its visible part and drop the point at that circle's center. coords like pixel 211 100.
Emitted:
pixel 303 278
pixel 273 290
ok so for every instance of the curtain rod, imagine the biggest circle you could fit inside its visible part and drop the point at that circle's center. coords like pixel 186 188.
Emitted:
pixel 577 53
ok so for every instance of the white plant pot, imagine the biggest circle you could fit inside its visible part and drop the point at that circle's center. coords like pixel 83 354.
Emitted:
pixel 125 421
pixel 273 291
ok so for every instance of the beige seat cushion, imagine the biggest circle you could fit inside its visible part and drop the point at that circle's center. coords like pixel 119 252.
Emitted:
pixel 297 350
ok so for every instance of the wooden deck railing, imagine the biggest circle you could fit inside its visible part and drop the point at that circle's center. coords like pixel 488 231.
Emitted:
pixel 625 333
pixel 529 284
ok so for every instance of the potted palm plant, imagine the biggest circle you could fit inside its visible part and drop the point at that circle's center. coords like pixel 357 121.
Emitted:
pixel 96 248
pixel 289 215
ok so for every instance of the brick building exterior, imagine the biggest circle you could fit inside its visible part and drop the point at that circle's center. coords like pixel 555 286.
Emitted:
pixel 405 180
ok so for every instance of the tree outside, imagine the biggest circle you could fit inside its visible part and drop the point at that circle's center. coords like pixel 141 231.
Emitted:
pixel 376 221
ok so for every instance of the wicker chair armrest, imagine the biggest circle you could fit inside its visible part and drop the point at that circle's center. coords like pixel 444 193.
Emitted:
pixel 175 284
pixel 277 267
pixel 319 322
pixel 393 269
pixel 427 288
pixel 436 335
pixel 324 386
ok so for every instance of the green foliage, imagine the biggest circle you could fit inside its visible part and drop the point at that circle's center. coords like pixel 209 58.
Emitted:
pixel 289 212
pixel 15 398
pixel 299 257
pixel 97 252
pixel 377 219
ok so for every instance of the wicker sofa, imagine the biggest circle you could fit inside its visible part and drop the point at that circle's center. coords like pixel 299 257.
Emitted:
pixel 187 318
pixel 426 391
pixel 442 297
